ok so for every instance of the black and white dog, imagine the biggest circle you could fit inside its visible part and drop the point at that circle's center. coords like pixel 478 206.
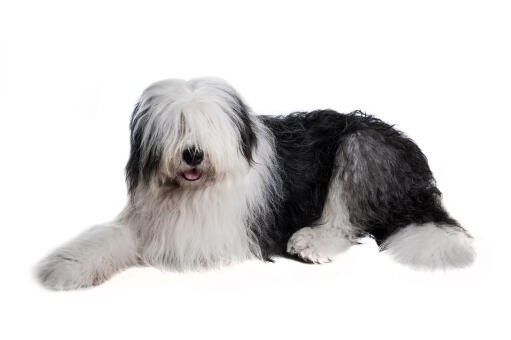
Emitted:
pixel 211 184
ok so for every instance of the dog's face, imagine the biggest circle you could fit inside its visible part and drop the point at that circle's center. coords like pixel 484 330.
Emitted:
pixel 189 134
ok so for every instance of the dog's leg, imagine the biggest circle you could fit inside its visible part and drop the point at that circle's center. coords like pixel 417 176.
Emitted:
pixel 90 259
pixel 333 234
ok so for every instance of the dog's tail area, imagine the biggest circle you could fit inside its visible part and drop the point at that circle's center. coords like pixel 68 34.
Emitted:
pixel 431 246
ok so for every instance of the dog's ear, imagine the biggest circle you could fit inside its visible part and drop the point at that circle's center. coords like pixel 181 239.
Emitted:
pixel 245 126
pixel 143 161
pixel 133 166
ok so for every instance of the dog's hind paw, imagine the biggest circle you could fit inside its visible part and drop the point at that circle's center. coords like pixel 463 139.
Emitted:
pixel 317 245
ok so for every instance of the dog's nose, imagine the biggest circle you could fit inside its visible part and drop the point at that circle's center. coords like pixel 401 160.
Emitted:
pixel 193 156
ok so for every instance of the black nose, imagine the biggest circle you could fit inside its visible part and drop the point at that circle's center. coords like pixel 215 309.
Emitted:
pixel 193 156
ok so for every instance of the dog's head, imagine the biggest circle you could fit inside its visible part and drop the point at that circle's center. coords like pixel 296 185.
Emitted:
pixel 189 134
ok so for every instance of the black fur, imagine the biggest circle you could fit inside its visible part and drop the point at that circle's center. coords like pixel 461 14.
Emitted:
pixel 387 183
pixel 245 127
pixel 141 163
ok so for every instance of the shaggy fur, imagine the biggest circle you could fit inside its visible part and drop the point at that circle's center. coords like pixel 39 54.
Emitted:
pixel 210 184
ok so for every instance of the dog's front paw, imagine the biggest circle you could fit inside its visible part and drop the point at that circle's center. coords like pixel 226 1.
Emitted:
pixel 62 272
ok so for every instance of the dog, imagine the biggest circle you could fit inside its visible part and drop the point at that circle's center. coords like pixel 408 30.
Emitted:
pixel 210 184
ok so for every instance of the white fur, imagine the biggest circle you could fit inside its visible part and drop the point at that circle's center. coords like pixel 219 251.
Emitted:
pixel 193 229
pixel 431 246
pixel 186 227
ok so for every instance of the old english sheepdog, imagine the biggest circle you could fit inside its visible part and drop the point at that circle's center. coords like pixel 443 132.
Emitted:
pixel 210 184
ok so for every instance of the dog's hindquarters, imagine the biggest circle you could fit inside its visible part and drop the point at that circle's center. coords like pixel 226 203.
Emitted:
pixel 391 194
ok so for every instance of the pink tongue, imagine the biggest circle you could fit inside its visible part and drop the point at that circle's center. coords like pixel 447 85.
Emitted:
pixel 191 175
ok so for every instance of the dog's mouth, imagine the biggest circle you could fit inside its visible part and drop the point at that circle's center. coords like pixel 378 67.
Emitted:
pixel 192 174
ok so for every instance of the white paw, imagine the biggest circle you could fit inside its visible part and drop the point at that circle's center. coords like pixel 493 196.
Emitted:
pixel 61 272
pixel 308 246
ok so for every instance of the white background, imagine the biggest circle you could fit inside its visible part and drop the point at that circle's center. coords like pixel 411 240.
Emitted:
pixel 70 75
